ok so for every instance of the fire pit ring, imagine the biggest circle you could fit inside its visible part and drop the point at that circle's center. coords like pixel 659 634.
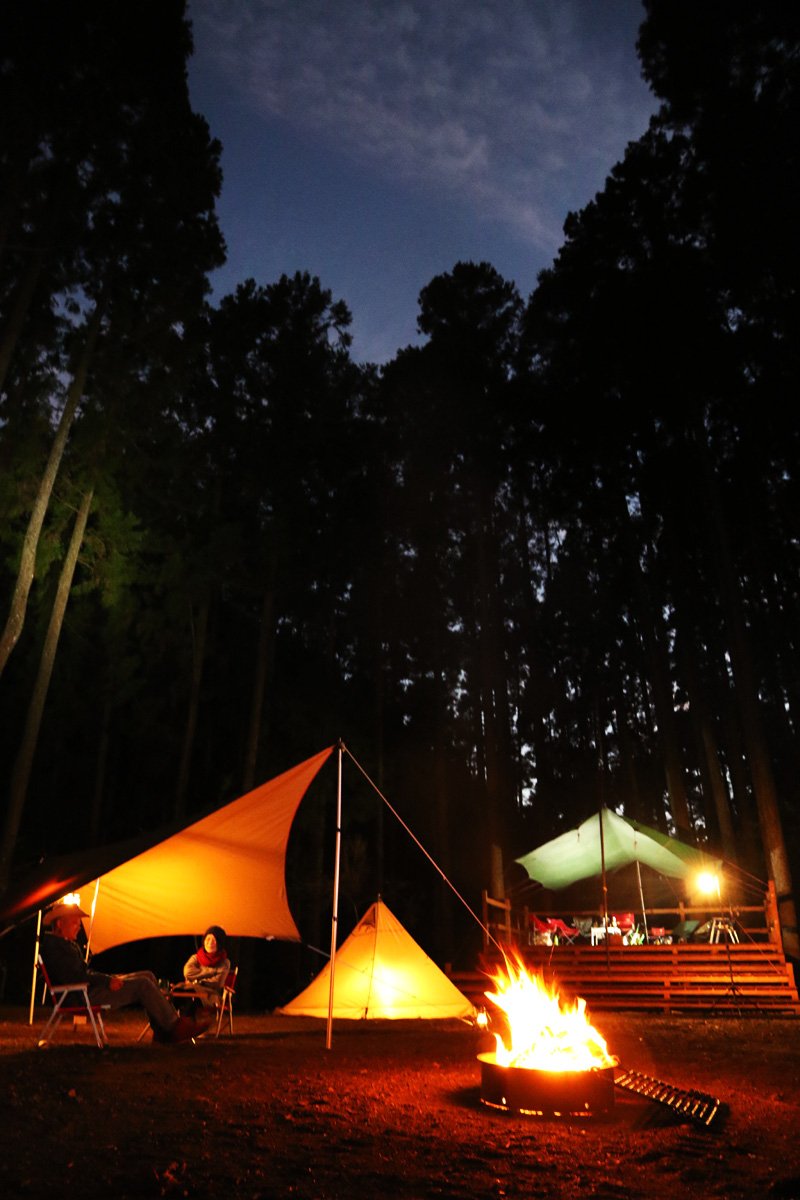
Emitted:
pixel 526 1090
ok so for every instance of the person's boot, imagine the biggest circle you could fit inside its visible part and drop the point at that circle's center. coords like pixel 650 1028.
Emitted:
pixel 186 1029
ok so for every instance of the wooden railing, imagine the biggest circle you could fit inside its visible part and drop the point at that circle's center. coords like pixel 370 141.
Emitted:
pixel 507 924
pixel 751 975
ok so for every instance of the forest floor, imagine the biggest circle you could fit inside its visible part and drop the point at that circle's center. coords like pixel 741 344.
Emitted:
pixel 393 1110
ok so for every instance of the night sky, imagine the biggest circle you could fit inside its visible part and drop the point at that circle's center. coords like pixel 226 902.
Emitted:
pixel 375 143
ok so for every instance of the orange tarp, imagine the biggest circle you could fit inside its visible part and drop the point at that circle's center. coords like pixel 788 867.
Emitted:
pixel 226 869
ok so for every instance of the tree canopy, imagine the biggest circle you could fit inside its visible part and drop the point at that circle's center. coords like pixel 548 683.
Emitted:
pixel 544 560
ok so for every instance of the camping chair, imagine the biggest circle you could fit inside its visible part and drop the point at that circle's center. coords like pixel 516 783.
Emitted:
pixel 542 933
pixel 225 1004
pixel 625 922
pixel 182 995
pixel 185 991
pixel 58 993
pixel 561 930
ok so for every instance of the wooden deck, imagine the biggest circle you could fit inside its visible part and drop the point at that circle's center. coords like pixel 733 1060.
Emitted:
pixel 713 978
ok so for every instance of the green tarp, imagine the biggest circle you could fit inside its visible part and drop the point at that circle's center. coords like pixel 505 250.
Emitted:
pixel 576 855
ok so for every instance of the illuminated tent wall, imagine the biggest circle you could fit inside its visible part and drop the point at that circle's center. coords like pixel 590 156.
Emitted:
pixel 381 972
pixel 576 855
pixel 226 869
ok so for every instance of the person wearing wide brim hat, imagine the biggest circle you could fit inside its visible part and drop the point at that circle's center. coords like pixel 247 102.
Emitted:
pixel 206 971
pixel 61 909
pixel 65 964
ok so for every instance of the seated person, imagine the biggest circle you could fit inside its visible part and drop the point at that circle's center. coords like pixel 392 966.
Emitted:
pixel 65 964
pixel 207 970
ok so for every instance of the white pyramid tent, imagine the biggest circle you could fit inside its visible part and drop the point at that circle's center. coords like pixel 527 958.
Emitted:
pixel 381 972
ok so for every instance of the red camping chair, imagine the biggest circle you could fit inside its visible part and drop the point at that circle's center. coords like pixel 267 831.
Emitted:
pixel 58 994
pixel 625 922
pixel 561 930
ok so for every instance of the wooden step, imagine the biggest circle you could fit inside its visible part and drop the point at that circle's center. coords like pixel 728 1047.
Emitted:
pixel 674 978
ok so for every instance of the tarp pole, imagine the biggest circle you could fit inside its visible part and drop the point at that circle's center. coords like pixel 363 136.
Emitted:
pixel 91 920
pixel 641 899
pixel 35 963
pixel 605 890
pixel 335 918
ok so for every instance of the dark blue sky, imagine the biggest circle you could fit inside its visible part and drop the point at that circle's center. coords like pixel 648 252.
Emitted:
pixel 375 143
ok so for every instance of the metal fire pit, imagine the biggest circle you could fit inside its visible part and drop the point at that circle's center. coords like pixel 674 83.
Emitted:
pixel 521 1089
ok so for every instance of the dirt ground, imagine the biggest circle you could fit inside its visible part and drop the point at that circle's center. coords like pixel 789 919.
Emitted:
pixel 392 1110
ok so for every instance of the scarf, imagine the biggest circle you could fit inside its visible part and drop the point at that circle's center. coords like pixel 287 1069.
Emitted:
pixel 210 960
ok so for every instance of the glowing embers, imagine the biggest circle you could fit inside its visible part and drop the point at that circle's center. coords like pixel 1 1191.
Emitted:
pixel 549 1059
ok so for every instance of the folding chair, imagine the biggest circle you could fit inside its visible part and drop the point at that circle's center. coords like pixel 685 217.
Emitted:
pixel 225 1005
pixel 185 991
pixel 542 934
pixel 583 927
pixel 58 994
pixel 560 929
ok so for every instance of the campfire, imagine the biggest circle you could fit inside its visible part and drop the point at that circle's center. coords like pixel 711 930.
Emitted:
pixel 549 1059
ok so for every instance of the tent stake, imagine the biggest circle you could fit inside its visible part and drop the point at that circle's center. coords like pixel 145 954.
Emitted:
pixel 335 918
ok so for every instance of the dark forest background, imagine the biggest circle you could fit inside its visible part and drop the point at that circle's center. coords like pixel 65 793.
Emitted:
pixel 545 559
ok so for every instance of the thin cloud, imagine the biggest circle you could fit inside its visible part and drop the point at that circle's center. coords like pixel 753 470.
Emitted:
pixel 506 106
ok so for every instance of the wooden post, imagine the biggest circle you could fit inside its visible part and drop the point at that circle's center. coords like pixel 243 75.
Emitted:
pixel 771 914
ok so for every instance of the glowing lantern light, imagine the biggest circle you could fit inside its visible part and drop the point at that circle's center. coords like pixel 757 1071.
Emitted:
pixel 708 883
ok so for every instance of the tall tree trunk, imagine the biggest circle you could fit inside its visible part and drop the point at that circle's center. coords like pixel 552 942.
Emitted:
pixel 20 775
pixel 380 713
pixel 715 792
pixel 754 733
pixel 13 189
pixel 444 905
pixel 27 567
pixel 19 311
pixel 491 735
pixel 708 756
pixel 198 659
pixel 748 833
pixel 263 657
pixel 538 690
pixel 100 772
pixel 627 758
pixel 654 639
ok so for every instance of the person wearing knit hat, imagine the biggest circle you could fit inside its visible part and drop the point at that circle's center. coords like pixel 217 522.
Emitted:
pixel 206 971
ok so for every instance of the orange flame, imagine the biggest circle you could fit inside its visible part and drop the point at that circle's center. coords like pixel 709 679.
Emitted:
pixel 546 1034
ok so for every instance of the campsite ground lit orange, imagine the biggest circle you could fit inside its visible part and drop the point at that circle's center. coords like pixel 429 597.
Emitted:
pixel 391 1111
